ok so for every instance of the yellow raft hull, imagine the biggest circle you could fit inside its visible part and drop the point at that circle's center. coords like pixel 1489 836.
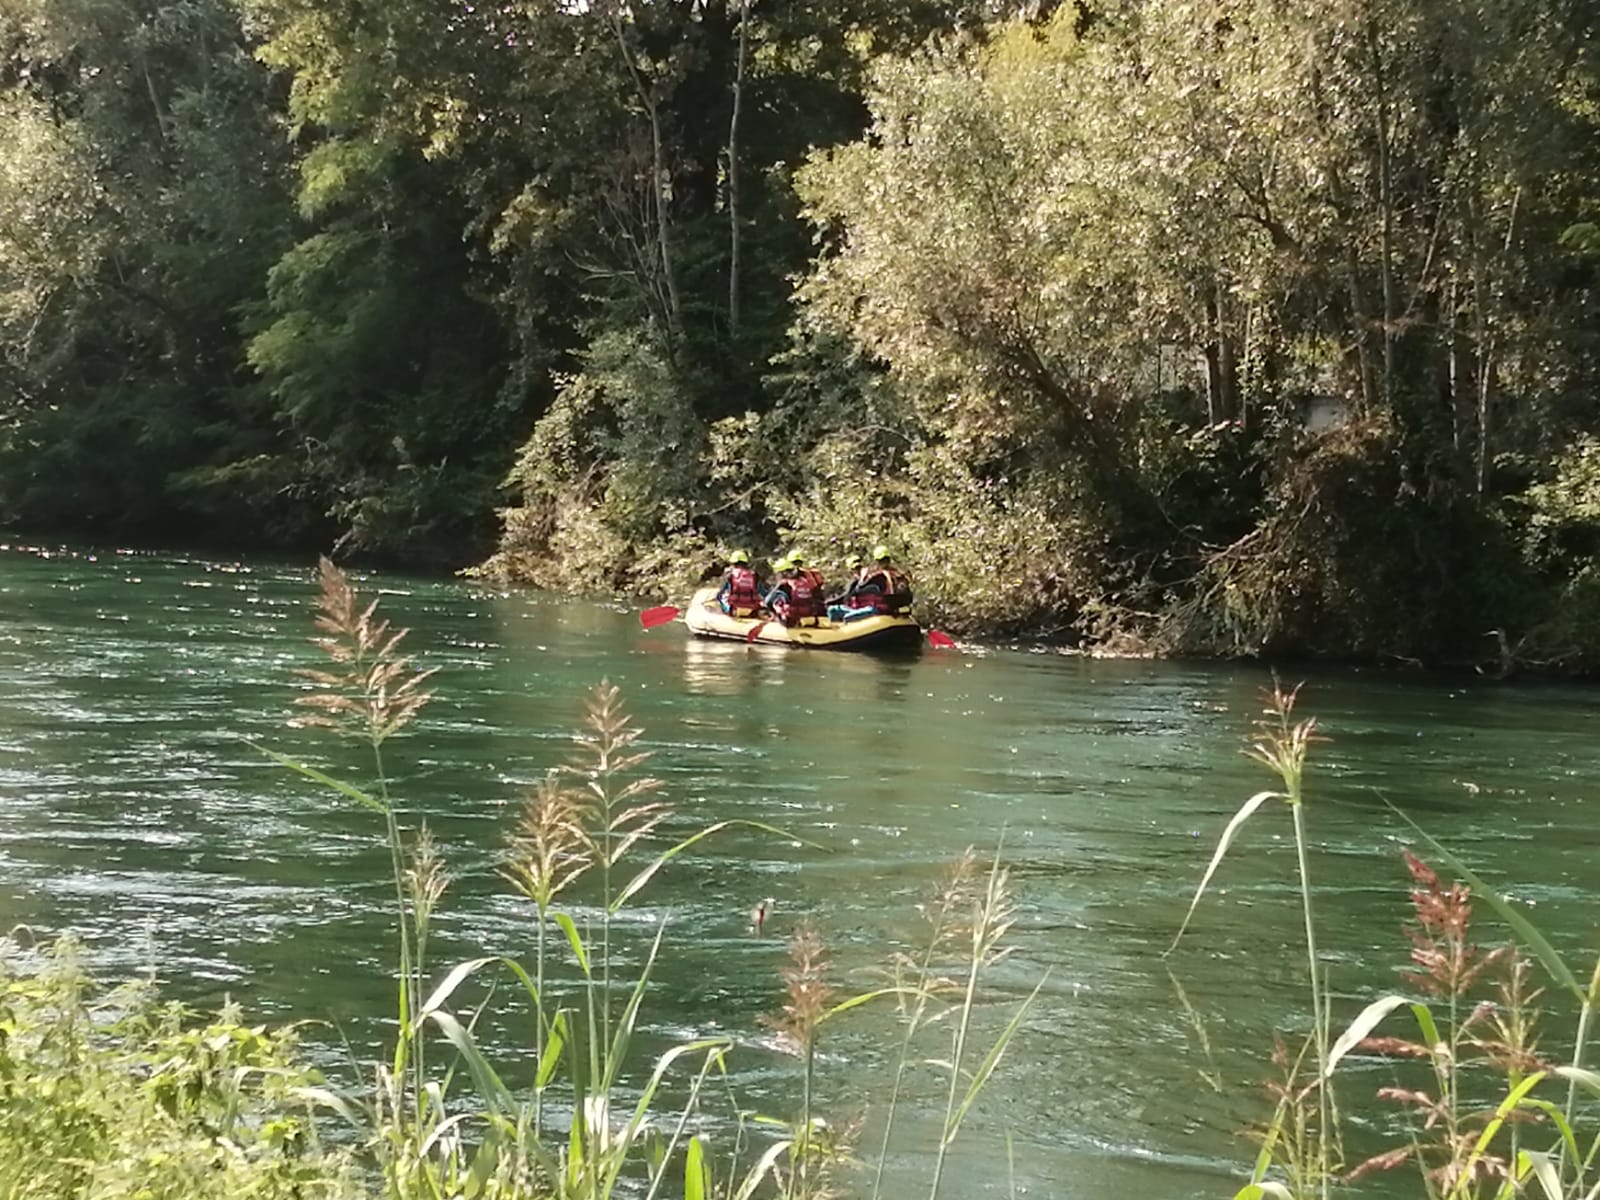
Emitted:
pixel 705 618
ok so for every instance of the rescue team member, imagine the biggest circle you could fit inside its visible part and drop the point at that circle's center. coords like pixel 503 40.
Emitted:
pixel 741 594
pixel 882 585
pixel 796 598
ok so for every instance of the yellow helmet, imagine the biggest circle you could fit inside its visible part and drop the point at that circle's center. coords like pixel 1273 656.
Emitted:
pixel 781 563
pixel 853 562
pixel 739 556
pixel 796 559
pixel 880 553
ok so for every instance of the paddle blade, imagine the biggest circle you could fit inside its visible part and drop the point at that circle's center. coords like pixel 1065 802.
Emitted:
pixel 755 631
pixel 651 617
pixel 941 640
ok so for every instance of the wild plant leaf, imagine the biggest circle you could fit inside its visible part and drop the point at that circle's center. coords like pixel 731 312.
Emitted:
pixel 575 940
pixel 555 1042
pixel 1269 1142
pixel 1262 1189
pixel 1582 1076
pixel 696 1171
pixel 482 1169
pixel 986 1068
pixel 1538 1164
pixel 763 1168
pixel 440 1130
pixel 1526 931
pixel 1512 1102
pixel 1426 1023
pixel 672 852
pixel 1569 1139
pixel 451 982
pixel 857 1001
pixel 618 1053
pixel 322 777
pixel 641 1110
pixel 330 1100
pixel 715 1060
pixel 1366 1021
pixel 577 1161
pixel 1246 810
pixel 490 1088
pixel 528 985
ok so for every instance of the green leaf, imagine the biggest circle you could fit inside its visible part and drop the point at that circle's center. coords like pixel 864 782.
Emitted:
pixel 1512 1101
pixel 1259 1191
pixel 1368 1020
pixel 575 940
pixel 1540 1166
pixel 1426 1023
pixel 696 1171
pixel 763 1167
pixel 555 1043
pixel 1582 1076
pixel 618 1052
pixel 490 1088
pixel 451 982
pixel 648 872
pixel 1246 810
pixel 858 1000
pixel 986 1068
pixel 322 777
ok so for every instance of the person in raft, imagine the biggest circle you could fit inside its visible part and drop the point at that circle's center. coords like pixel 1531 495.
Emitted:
pixel 882 586
pixel 797 596
pixel 741 594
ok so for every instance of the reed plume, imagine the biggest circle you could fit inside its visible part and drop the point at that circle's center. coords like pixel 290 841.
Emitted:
pixel 614 820
pixel 549 849
pixel 374 690
pixel 808 994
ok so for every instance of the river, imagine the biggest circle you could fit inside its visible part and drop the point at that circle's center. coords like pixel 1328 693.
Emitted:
pixel 135 811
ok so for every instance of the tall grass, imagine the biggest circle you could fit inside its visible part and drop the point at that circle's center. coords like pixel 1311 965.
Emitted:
pixel 594 1120
pixel 1305 1124
pixel 1490 1115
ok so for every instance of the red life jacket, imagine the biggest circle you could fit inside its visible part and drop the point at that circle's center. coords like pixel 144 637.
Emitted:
pixel 894 590
pixel 805 595
pixel 744 594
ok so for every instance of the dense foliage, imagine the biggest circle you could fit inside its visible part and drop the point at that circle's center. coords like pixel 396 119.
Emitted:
pixel 112 1094
pixel 1228 328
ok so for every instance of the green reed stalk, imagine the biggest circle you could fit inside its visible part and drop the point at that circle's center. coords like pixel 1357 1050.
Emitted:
pixel 912 1024
pixel 410 987
pixel 1581 1043
pixel 801 1179
pixel 1319 1014
pixel 991 919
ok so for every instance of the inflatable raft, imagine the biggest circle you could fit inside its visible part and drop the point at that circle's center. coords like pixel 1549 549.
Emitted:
pixel 705 618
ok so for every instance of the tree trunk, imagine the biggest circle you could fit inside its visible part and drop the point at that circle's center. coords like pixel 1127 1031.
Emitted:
pixel 1213 360
pixel 1386 209
pixel 733 172
pixel 661 179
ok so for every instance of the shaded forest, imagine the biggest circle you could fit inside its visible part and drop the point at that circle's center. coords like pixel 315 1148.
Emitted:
pixel 1230 328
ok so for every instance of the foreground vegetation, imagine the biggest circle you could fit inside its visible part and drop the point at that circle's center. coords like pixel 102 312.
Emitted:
pixel 1482 1107
pixel 1042 293
pixel 113 1094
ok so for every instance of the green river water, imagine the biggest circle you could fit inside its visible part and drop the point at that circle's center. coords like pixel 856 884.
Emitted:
pixel 133 811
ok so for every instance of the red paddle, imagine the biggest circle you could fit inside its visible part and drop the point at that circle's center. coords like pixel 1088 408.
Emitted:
pixel 755 630
pixel 941 640
pixel 651 617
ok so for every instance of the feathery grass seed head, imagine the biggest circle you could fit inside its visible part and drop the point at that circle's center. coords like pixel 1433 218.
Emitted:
pixel 549 848
pixel 809 994
pixel 376 691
